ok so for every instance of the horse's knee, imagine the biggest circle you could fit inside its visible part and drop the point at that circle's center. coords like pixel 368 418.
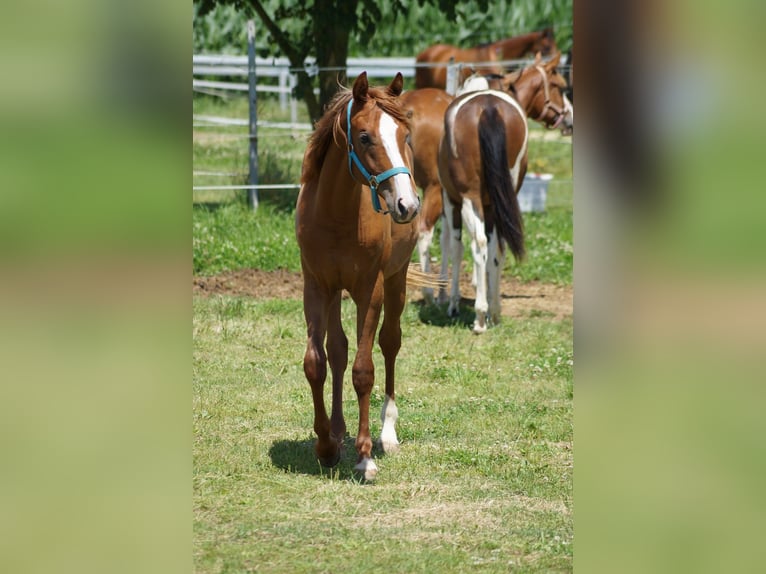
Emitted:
pixel 315 364
pixel 363 378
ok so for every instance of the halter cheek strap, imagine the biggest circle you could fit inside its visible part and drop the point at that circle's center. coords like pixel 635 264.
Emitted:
pixel 372 180
pixel 548 104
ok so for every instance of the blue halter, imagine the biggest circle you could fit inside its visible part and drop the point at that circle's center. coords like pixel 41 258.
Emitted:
pixel 372 180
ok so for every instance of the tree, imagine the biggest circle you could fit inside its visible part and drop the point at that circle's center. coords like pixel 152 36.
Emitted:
pixel 322 28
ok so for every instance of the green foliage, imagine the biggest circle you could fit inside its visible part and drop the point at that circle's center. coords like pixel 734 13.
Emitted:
pixel 386 27
pixel 409 32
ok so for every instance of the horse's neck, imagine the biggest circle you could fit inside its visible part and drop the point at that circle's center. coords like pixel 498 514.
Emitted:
pixel 514 47
pixel 526 96
pixel 338 192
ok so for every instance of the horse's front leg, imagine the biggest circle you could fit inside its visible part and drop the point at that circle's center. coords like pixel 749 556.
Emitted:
pixel 337 351
pixel 315 368
pixel 368 306
pixel 390 341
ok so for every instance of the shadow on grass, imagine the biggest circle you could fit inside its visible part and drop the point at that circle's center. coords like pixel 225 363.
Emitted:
pixel 436 313
pixel 297 456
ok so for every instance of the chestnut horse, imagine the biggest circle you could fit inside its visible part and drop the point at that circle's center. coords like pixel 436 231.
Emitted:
pixel 356 157
pixel 426 108
pixel 516 47
pixel 482 163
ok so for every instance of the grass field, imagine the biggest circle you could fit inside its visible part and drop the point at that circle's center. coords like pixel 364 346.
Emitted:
pixel 484 477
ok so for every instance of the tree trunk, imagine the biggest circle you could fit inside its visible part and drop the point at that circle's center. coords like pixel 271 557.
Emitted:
pixel 333 21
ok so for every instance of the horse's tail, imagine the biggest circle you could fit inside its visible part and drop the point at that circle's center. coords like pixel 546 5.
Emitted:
pixel 497 179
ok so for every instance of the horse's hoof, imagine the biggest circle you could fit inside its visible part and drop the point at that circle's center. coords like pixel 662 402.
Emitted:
pixel 453 310
pixel 328 457
pixel 390 447
pixel 479 329
pixel 367 468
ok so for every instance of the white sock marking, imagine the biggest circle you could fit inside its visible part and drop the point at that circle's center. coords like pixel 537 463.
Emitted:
pixel 368 468
pixel 388 415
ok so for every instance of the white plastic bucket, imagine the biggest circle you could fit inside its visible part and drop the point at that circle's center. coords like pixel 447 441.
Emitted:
pixel 533 192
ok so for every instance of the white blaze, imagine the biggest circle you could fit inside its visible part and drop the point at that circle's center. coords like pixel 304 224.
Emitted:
pixel 402 185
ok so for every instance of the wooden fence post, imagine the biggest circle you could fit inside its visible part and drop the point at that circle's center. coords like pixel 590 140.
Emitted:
pixel 453 70
pixel 252 193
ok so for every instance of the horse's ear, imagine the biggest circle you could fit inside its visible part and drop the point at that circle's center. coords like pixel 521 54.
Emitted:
pixel 360 88
pixel 511 79
pixel 538 59
pixel 548 33
pixel 395 89
pixel 553 63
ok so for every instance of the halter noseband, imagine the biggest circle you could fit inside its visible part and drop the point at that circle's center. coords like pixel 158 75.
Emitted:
pixel 372 180
pixel 548 104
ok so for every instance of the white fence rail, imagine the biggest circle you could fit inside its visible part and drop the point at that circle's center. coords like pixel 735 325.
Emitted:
pixel 237 67
pixel 230 66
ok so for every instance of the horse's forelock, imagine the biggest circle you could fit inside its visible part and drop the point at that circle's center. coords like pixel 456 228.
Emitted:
pixel 330 126
pixel 392 105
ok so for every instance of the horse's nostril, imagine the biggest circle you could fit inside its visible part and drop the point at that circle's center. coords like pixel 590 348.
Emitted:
pixel 402 208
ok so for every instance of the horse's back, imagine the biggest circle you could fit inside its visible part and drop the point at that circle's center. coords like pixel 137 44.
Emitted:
pixel 460 160
pixel 435 77
pixel 426 108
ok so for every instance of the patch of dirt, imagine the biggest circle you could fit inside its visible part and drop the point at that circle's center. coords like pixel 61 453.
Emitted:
pixel 517 299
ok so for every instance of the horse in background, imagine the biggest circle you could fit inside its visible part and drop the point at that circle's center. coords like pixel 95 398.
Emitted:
pixel 542 41
pixel 482 163
pixel 356 159
pixel 425 109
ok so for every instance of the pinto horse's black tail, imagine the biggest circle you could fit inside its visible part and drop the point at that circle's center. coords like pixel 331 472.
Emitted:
pixel 497 178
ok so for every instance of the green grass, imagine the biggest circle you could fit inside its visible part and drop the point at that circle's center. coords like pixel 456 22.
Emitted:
pixel 483 480
pixel 231 236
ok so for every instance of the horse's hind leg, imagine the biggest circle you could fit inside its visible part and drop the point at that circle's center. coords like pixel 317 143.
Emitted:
pixel 444 245
pixel 315 368
pixel 337 350
pixel 474 223
pixel 424 243
pixel 390 340
pixel 495 263
pixel 453 219
pixel 430 213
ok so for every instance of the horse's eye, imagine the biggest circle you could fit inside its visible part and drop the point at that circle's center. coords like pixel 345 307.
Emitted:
pixel 408 140
pixel 364 138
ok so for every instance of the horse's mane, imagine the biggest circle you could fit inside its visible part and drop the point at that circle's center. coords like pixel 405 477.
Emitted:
pixel 330 127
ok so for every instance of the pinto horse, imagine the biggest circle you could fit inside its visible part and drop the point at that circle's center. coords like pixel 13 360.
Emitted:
pixel 516 47
pixel 482 163
pixel 426 108
pixel 356 158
